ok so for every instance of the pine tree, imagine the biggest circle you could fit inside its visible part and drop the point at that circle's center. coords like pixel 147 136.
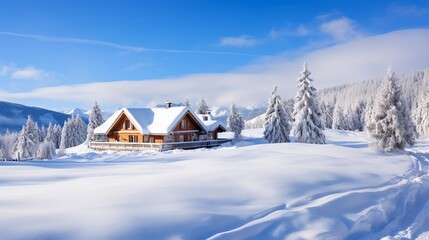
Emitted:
pixel 202 107
pixel 307 115
pixel 276 124
pixel 350 120
pixel 389 126
pixel 409 126
pixel 28 140
pixel 368 115
pixel 338 119
pixel 56 137
pixel 50 133
pixel 95 120
pixel 65 136
pixel 235 122
pixel 421 115
pixel 327 113
pixel 46 150
pixel 42 133
pixel 81 132
pixel 360 116
pixel 10 142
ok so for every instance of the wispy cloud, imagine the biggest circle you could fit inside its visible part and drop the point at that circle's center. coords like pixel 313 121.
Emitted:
pixel 341 29
pixel 134 67
pixel 126 48
pixel 299 31
pixel 240 41
pixel 407 10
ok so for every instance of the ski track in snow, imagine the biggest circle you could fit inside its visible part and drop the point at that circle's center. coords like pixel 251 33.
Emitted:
pixel 397 210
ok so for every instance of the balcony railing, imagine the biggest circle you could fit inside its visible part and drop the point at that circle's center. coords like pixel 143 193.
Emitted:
pixel 125 146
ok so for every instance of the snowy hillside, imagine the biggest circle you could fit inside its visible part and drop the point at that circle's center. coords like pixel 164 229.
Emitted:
pixel 413 85
pixel 251 190
pixel 13 116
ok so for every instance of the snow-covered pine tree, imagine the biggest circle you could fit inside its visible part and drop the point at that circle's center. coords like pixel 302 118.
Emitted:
pixel 276 124
pixel 46 150
pixel 360 115
pixel 50 133
pixel 56 138
pixel 369 109
pixel 307 115
pixel 327 112
pixel 350 120
pixel 338 119
pixel 409 126
pixel 28 140
pixel 421 115
pixel 3 150
pixel 81 132
pixel 202 107
pixel 95 120
pixel 65 136
pixel 42 133
pixel 10 142
pixel 235 122
pixel 388 126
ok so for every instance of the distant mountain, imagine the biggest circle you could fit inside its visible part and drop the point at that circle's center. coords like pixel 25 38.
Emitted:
pixel 78 111
pixel 84 114
pixel 221 113
pixel 13 116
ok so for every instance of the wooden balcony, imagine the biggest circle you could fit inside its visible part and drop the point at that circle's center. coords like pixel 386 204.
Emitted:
pixel 125 146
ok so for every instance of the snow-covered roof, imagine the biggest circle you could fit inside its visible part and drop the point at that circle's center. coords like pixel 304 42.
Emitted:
pixel 151 120
pixel 103 128
pixel 211 124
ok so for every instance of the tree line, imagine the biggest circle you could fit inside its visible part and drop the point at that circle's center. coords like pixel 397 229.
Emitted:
pixel 45 143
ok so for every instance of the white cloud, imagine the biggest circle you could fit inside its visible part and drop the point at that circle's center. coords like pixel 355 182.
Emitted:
pixel 353 61
pixel 32 73
pixel 240 41
pixel 341 29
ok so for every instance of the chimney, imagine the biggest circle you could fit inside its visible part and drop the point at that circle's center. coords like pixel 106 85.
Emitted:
pixel 167 104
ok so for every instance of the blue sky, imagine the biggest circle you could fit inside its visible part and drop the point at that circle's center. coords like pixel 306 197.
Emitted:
pixel 45 44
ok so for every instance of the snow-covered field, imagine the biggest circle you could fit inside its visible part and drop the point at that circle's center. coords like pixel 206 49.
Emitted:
pixel 248 191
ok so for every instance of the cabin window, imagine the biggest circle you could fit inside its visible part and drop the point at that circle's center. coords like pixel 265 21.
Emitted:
pixel 181 138
pixel 168 139
pixel 127 124
pixel 151 140
pixel 184 124
pixel 205 118
pixel 133 138
pixel 194 137
pixel 145 138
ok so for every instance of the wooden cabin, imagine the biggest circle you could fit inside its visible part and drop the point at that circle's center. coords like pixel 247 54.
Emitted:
pixel 158 126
